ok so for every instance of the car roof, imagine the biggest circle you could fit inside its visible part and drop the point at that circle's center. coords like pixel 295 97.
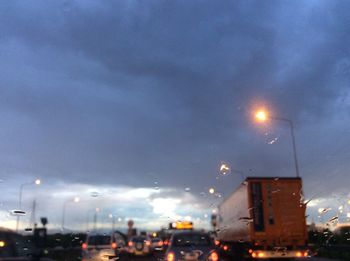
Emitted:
pixel 190 232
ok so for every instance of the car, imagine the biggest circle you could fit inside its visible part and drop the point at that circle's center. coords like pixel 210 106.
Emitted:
pixel 191 245
pixel 140 246
pixel 157 244
pixel 100 247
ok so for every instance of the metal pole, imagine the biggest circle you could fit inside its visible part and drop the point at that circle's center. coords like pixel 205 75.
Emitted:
pixel 294 149
pixel 95 221
pixel 291 125
pixel 19 204
pixel 63 215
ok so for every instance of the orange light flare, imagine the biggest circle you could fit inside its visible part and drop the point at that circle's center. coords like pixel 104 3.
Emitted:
pixel 130 244
pixel 114 245
pixel 84 246
pixel 170 257
pixel 214 256
pixel 261 115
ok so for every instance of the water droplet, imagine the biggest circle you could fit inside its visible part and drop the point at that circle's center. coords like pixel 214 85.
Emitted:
pixel 272 141
pixel 187 189
pixel 94 194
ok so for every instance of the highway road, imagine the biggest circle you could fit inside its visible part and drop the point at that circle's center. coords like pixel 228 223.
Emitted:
pixel 158 258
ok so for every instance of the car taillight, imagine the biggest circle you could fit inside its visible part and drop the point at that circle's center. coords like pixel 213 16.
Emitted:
pixel 148 243
pixel 170 257
pixel 214 256
pixel 166 242
pixel 84 246
pixel 217 242
pixel 160 243
pixel 130 244
pixel 114 245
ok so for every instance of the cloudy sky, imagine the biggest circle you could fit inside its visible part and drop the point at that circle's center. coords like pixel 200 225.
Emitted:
pixel 132 105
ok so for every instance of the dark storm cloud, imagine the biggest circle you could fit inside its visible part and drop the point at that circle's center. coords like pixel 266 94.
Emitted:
pixel 136 92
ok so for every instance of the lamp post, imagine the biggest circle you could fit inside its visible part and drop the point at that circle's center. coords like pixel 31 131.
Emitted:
pixel 262 116
pixel 75 200
pixel 36 182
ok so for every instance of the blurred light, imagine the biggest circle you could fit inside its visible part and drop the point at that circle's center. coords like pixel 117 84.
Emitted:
pixel 224 169
pixel 211 190
pixel 253 255
pixel 114 245
pixel 348 215
pixel 261 115
pixel 2 243
pixel 170 257
pixel 154 234
pixel 37 182
pixel 97 209
pixel 84 246
pixel 214 256
pixel 120 219
pixel 349 201
pixel 148 243
pixel 130 244
pixel 260 254
pixel 225 248
pixel 76 199
pixel 110 215
pixel 217 242
pixel 299 254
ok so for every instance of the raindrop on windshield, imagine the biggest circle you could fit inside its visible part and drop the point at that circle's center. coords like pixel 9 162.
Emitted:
pixel 187 189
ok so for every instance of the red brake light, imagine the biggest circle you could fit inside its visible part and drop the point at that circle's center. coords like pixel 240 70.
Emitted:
pixel 130 244
pixel 214 256
pixel 114 245
pixel 84 246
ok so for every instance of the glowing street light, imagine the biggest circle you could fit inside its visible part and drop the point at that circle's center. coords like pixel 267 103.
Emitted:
pixel 35 182
pixel 225 169
pixel 211 190
pixel 263 115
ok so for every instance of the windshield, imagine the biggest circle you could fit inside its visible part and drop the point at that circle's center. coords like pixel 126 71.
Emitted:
pixel 149 118
pixel 191 240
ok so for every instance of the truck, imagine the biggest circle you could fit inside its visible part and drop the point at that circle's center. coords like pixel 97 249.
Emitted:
pixel 264 218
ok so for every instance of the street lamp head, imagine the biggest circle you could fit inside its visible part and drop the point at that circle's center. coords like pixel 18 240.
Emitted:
pixel 76 199
pixel 224 169
pixel 37 182
pixel 261 115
